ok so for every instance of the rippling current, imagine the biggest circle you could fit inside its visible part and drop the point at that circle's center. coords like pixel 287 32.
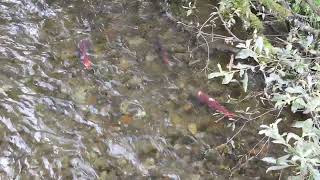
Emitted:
pixel 130 117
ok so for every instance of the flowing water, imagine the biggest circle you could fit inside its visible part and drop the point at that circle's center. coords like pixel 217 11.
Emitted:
pixel 131 116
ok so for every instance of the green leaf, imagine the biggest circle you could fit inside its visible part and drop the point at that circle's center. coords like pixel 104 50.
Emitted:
pixel 300 67
pixel 215 74
pixel 303 124
pixel 241 72
pixel 281 100
pixel 274 168
pixel 245 82
pixel 315 173
pixel 270 160
pixel 316 67
pixel 307 127
pixel 189 12
pixel 296 89
pixel 227 78
pixel 219 67
pixel 292 135
pixel 283 159
pixel 273 77
pixel 259 44
pixel 245 53
pixel 280 141
pixel 297 104
pixel 312 105
pixel 294 177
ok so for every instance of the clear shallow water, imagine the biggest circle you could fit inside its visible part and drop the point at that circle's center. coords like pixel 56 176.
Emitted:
pixel 132 117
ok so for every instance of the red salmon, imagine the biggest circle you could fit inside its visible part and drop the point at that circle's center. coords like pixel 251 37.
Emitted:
pixel 213 104
pixel 84 56
pixel 165 56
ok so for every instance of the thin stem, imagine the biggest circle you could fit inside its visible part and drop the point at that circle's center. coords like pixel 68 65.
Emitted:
pixel 237 133
pixel 226 27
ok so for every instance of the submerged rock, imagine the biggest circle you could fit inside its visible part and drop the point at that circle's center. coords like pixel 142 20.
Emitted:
pixel 188 107
pixel 149 163
pixel 195 177
pixel 136 42
pixel 213 156
pixel 192 127
pixel 145 147
pixel 100 163
pixel 79 95
pixel 134 82
pixel 124 64
pixel 150 57
pixel 133 108
pixel 108 175
pixel 176 119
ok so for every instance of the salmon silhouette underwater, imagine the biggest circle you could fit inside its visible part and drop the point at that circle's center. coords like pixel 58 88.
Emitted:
pixel 213 104
pixel 84 46
pixel 162 51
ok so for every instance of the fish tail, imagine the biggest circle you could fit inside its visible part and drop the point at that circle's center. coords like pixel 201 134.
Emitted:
pixel 213 104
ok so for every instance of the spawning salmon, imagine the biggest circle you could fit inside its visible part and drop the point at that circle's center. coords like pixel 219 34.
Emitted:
pixel 84 55
pixel 213 104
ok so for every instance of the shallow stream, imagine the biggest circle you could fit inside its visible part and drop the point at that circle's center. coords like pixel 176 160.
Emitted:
pixel 131 116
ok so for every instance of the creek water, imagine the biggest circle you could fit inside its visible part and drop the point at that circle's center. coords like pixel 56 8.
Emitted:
pixel 130 117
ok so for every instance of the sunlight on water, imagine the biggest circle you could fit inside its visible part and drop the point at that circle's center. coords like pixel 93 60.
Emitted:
pixel 127 115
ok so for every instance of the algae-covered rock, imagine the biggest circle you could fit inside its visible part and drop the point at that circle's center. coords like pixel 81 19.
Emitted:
pixel 151 57
pixel 136 42
pixel 134 82
pixel 103 175
pixel 92 156
pixel 65 161
pixel 133 108
pixel 79 95
pixel 192 127
pixel 100 163
pixel 223 149
pixel 176 120
pixel 183 57
pixel 178 48
pixel 195 176
pixel 188 107
pixel 149 163
pixel 108 175
pixel 145 147
pixel 213 156
pixel 65 89
pixel 217 89
pixel 81 90
pixel 124 64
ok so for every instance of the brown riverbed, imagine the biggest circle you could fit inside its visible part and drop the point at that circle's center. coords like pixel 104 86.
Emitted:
pixel 130 117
